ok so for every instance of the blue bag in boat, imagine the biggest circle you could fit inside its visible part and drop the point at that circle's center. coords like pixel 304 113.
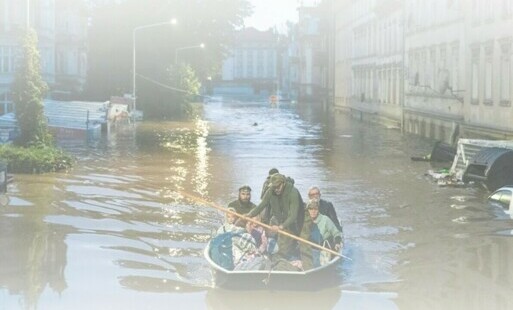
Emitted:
pixel 221 251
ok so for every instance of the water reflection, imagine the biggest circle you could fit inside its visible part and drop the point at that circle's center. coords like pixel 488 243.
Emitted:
pixel 202 177
pixel 33 255
pixel 225 299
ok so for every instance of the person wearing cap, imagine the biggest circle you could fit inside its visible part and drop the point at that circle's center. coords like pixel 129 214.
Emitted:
pixel 267 182
pixel 325 207
pixel 243 204
pixel 285 204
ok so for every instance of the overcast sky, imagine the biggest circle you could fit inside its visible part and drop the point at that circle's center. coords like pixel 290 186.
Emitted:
pixel 268 13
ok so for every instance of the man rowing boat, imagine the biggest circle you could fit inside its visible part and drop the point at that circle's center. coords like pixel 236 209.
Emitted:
pixel 285 203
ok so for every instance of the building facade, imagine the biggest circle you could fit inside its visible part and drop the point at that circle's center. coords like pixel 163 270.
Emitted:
pixel 434 87
pixel 61 27
pixel 369 57
pixel 436 68
pixel 488 82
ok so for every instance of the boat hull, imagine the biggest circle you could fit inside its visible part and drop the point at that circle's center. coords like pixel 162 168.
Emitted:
pixel 324 276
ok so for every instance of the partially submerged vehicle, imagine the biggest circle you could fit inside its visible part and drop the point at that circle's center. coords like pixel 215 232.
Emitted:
pixel 503 197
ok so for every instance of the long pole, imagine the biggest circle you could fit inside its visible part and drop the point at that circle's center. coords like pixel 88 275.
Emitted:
pixel 215 206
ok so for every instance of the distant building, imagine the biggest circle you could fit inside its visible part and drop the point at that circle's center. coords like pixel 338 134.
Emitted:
pixel 250 70
pixel 312 54
pixel 289 82
pixel 70 48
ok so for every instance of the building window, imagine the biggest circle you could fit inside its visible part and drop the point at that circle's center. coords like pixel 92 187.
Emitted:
pixel 260 64
pixel 505 81
pixel 7 59
pixel 507 8
pixel 488 91
pixel 488 82
pixel 474 99
pixel 270 64
pixel 432 71
pixel 249 64
pixel 455 68
pixel 423 70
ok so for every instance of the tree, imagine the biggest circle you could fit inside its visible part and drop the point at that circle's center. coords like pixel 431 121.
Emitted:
pixel 188 90
pixel 28 91
pixel 172 99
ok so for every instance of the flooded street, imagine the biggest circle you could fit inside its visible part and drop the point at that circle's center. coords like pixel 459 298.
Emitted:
pixel 115 232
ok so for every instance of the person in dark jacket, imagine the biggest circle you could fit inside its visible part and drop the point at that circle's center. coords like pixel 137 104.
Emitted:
pixel 325 207
pixel 285 203
pixel 243 204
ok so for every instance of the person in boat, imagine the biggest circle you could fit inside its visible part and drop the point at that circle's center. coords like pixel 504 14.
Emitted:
pixel 229 223
pixel 258 234
pixel 267 182
pixel 325 207
pixel 243 203
pixel 285 202
pixel 246 254
pixel 251 248
pixel 266 214
pixel 321 230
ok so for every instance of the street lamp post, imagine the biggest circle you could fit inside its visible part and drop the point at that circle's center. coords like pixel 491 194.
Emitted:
pixel 134 63
pixel 28 14
pixel 186 48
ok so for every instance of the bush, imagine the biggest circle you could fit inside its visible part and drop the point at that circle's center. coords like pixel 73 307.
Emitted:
pixel 35 159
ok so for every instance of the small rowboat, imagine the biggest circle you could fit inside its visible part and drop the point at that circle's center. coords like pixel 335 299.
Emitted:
pixel 315 277
pixel 245 279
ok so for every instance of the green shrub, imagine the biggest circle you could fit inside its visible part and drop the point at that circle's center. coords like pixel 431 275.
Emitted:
pixel 35 159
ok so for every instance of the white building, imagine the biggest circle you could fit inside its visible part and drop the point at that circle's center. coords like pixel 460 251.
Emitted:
pixel 457 64
pixel 250 70
pixel 369 57
pixel 61 27
pixel 435 58
pixel 488 66
pixel 71 25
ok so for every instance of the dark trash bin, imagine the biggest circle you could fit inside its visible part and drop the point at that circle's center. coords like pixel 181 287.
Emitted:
pixel 442 152
pixel 491 166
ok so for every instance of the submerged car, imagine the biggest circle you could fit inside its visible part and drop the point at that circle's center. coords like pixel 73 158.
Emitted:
pixel 503 198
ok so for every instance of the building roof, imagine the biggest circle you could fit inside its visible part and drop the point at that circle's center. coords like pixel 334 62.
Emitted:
pixel 255 35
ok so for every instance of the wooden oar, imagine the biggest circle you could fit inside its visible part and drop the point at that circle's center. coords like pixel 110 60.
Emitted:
pixel 215 206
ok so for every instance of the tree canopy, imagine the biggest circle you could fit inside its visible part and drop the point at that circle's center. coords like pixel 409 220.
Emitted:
pixel 211 22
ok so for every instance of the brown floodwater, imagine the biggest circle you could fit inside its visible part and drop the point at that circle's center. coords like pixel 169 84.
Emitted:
pixel 116 233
